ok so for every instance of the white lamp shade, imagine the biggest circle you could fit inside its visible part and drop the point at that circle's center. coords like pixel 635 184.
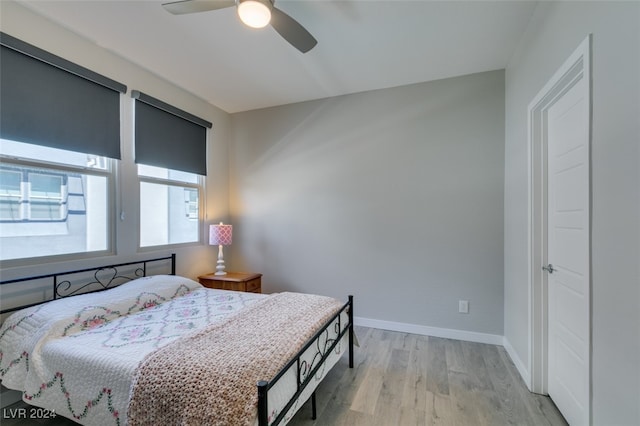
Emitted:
pixel 220 235
pixel 254 13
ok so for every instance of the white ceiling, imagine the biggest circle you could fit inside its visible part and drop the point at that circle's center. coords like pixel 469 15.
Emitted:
pixel 362 45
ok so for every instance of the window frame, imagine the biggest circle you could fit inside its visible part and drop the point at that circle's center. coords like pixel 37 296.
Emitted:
pixel 109 173
pixel 198 186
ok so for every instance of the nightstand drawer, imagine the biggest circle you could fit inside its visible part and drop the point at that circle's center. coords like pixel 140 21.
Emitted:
pixel 253 286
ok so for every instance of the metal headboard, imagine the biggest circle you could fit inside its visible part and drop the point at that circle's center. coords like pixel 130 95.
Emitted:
pixel 104 277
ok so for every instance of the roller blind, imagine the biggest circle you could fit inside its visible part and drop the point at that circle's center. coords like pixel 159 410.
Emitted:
pixel 47 100
pixel 168 137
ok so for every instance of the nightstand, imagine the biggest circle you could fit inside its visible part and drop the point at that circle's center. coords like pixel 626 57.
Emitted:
pixel 237 281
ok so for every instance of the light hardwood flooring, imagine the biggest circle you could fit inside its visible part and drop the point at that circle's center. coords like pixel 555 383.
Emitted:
pixel 405 379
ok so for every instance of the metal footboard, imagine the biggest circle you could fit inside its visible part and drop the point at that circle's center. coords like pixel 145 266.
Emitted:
pixel 305 370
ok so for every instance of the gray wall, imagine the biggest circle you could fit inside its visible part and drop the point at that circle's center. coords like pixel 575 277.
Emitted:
pixel 555 31
pixel 394 195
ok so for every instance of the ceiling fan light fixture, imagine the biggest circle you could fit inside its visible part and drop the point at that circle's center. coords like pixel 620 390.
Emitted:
pixel 255 13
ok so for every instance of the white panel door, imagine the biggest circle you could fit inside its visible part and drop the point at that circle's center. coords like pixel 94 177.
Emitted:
pixel 568 253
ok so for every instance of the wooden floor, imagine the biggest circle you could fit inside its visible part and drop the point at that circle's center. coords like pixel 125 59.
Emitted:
pixel 406 379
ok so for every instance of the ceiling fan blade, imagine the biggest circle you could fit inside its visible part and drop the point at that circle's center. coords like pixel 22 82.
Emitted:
pixel 292 31
pixel 194 6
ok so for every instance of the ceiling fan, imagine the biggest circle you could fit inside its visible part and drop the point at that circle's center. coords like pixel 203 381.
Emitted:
pixel 254 13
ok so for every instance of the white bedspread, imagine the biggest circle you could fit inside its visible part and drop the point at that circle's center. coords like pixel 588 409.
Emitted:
pixel 77 355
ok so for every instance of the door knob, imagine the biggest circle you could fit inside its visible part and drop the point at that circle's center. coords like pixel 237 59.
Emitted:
pixel 548 268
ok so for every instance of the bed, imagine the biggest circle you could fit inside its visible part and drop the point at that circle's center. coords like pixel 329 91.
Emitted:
pixel 145 348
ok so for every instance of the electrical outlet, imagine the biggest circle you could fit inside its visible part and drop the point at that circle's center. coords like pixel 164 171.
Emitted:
pixel 463 306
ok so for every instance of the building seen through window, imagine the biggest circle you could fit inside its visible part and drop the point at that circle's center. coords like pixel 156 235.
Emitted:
pixel 53 207
pixel 169 206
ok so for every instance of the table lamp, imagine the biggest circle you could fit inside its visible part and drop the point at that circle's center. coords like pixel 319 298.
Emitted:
pixel 220 235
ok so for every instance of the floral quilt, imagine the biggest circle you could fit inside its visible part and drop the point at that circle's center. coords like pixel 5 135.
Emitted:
pixel 77 355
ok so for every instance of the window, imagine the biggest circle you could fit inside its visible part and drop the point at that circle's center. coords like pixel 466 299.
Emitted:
pixel 169 206
pixel 39 191
pixel 10 194
pixel 59 136
pixel 57 207
pixel 191 203
pixel 45 196
pixel 171 153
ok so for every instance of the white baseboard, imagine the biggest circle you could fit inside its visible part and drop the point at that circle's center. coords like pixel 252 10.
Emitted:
pixel 520 366
pixel 447 333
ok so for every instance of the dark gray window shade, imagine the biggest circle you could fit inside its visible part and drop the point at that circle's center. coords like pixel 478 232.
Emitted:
pixel 168 137
pixel 47 100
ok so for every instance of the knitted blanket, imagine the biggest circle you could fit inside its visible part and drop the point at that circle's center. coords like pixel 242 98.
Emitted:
pixel 210 377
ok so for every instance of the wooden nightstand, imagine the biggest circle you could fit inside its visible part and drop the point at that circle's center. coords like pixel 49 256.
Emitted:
pixel 237 281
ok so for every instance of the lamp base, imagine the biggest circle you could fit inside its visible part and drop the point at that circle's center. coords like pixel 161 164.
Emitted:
pixel 220 263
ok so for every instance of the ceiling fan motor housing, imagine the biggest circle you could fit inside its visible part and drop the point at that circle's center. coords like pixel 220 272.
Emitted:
pixel 255 13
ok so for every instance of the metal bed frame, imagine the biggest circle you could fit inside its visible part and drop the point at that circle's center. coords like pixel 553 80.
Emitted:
pixel 105 277
pixel 110 276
